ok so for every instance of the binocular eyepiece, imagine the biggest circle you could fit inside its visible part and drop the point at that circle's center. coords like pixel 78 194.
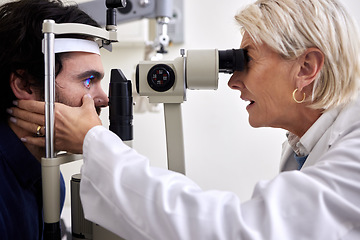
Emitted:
pixel 166 81
pixel 232 60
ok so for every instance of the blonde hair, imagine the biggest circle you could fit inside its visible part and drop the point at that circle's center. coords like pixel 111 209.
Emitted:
pixel 291 26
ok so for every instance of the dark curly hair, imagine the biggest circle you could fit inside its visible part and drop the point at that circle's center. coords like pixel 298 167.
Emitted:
pixel 21 42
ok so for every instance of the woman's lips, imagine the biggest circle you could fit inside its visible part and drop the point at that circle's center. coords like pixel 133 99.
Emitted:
pixel 250 105
pixel 251 102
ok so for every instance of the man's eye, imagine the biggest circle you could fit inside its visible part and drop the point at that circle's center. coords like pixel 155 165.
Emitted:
pixel 87 82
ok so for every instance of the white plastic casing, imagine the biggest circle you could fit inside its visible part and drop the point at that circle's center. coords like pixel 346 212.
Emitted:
pixel 202 69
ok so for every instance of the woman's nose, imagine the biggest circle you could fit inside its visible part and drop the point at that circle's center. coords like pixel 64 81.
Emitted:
pixel 236 82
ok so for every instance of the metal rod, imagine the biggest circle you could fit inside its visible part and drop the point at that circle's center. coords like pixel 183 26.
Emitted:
pixel 49 58
pixel 50 175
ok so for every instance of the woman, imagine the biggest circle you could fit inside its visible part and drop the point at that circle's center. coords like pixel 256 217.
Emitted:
pixel 303 76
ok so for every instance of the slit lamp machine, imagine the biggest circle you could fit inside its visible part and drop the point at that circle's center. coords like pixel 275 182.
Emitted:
pixel 161 81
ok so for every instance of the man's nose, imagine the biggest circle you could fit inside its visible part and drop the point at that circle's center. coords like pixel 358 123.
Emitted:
pixel 101 99
pixel 236 81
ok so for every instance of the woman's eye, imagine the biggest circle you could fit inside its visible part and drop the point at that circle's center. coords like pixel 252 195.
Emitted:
pixel 248 57
pixel 87 82
pixel 248 61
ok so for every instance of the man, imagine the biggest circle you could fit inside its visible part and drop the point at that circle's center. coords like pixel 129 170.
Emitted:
pixel 304 51
pixel 22 72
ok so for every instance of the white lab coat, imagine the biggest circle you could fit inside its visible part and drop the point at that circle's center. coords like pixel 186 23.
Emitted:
pixel 321 202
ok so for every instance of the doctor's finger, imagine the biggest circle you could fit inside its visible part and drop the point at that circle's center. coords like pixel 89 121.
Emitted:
pixel 36 129
pixel 31 106
pixel 36 141
pixel 31 117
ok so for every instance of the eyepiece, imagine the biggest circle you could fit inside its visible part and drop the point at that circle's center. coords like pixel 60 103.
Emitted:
pixel 232 60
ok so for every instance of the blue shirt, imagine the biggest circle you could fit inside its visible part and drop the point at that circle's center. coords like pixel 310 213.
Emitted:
pixel 20 189
pixel 300 160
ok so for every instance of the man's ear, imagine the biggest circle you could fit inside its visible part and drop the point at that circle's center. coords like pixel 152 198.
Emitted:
pixel 311 63
pixel 21 87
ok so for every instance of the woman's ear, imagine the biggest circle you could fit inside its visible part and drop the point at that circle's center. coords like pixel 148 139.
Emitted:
pixel 311 63
pixel 21 87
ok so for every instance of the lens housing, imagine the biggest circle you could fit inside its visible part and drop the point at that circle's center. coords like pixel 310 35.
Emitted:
pixel 232 60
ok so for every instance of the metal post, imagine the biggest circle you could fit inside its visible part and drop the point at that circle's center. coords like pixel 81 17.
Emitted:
pixel 49 58
pixel 50 174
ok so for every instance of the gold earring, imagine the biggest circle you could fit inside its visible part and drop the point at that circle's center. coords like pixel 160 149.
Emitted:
pixel 297 101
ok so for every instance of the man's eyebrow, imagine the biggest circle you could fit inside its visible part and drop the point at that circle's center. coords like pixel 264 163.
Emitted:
pixel 89 73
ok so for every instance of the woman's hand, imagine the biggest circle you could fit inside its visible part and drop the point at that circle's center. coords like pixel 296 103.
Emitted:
pixel 71 123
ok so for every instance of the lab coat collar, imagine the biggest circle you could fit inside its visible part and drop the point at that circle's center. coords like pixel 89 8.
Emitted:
pixel 322 134
pixel 349 115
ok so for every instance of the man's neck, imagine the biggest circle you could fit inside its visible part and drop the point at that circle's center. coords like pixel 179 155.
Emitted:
pixel 38 152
